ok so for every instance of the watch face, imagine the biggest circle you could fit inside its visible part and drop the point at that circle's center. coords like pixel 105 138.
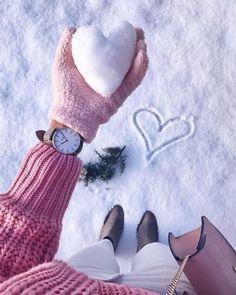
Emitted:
pixel 66 140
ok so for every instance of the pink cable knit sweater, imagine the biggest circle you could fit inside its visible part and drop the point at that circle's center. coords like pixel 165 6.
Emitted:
pixel 31 215
pixel 58 278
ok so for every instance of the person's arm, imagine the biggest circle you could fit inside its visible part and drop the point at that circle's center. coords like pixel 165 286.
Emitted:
pixel 56 124
pixel 31 211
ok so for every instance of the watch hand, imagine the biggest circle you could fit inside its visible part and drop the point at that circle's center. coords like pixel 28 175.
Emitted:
pixel 62 143
pixel 63 135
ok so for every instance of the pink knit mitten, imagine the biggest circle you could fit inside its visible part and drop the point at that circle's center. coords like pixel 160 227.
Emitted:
pixel 77 105
pixel 32 209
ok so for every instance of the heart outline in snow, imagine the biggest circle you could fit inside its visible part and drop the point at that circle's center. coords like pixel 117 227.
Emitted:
pixel 152 152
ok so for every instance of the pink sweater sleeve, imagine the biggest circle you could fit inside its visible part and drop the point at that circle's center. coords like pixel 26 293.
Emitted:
pixel 58 278
pixel 32 209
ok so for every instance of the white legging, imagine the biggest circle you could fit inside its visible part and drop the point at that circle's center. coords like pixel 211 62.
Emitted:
pixel 153 267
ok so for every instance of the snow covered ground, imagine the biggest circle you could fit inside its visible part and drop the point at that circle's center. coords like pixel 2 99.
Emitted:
pixel 179 126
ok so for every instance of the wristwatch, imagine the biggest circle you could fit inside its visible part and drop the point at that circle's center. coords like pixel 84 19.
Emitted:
pixel 65 140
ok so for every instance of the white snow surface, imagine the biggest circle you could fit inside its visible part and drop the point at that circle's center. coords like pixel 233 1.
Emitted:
pixel 179 126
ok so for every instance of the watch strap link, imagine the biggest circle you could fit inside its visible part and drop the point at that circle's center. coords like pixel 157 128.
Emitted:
pixel 47 138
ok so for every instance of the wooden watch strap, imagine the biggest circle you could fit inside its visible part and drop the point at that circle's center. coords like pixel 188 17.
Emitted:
pixel 47 138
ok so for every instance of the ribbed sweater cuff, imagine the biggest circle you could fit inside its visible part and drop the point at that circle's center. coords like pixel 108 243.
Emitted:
pixel 45 181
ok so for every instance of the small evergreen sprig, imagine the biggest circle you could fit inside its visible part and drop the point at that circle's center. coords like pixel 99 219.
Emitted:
pixel 111 159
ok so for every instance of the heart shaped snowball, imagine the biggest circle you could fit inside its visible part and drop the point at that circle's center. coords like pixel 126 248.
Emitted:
pixel 104 62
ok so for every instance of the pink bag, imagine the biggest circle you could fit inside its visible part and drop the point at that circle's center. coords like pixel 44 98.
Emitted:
pixel 211 267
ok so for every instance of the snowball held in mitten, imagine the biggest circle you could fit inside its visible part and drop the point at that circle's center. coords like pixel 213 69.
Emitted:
pixel 104 62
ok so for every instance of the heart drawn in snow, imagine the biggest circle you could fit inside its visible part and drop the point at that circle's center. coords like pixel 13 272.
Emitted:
pixel 162 133
pixel 104 62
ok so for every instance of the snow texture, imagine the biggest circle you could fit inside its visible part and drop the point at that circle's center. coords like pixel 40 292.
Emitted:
pixel 179 126
pixel 104 61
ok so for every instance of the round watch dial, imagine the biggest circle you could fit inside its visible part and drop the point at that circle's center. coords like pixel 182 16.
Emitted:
pixel 66 140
